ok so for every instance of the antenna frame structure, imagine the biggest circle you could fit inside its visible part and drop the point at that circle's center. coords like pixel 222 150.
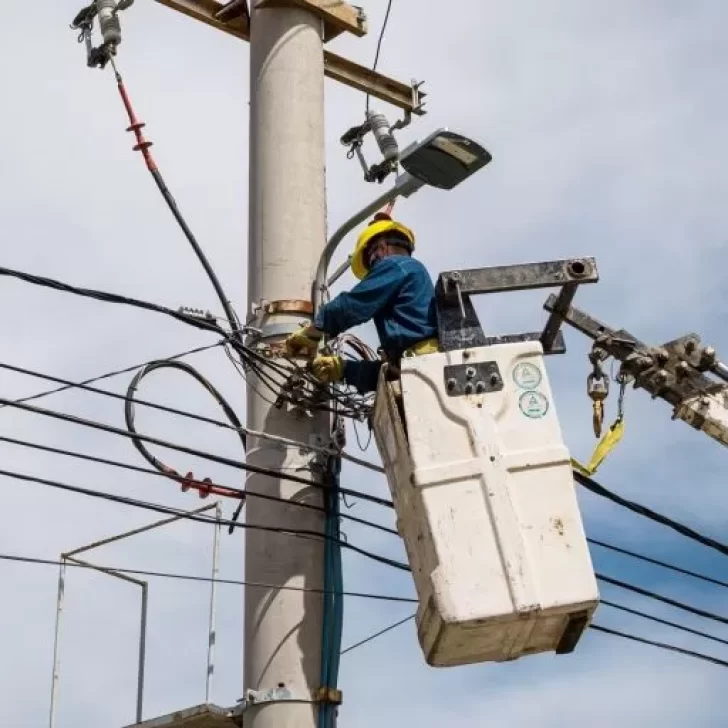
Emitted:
pixel 71 557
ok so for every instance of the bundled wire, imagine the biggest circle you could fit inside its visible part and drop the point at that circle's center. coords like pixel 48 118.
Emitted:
pixel 129 413
pixel 333 611
pixel 143 146
pixel 196 321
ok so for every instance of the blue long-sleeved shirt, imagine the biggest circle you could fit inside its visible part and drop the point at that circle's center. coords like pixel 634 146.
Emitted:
pixel 398 294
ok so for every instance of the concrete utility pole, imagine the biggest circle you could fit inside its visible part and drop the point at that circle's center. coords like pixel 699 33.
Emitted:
pixel 287 234
pixel 287 213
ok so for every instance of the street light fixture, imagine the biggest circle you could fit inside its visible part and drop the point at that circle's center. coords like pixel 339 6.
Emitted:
pixel 443 160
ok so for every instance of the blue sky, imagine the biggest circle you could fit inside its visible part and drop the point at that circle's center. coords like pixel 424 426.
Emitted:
pixel 607 128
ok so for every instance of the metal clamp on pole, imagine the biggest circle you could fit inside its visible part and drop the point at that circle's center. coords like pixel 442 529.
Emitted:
pixel 338 17
pixel 458 323
pixel 261 328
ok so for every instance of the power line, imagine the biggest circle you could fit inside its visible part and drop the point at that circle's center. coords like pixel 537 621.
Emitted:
pixel 158 508
pixel 666 622
pixel 203 579
pixel 641 510
pixel 356 595
pixel 81 385
pixel 129 413
pixel 657 562
pixel 379 45
pixel 84 386
pixel 107 297
pixel 662 598
pixel 592 486
pixel 660 645
pixel 381 632
pixel 92 424
pixel 604 630
pixel 233 492
pixel 143 147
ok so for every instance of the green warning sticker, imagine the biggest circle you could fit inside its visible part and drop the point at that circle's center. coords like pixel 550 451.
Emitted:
pixel 533 404
pixel 527 375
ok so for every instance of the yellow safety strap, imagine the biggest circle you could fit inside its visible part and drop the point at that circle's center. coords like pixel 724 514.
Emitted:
pixel 428 346
pixel 606 445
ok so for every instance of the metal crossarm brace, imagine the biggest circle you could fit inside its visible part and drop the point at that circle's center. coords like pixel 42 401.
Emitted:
pixel 458 323
pixel 221 16
pixel 339 17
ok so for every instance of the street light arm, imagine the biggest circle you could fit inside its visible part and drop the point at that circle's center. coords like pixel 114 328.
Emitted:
pixel 405 186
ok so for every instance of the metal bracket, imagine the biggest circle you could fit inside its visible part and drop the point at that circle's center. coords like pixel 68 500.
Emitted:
pixel 339 17
pixel 274 695
pixel 476 378
pixel 282 694
pixel 262 309
pixel 458 323
pixel 404 96
pixel 233 10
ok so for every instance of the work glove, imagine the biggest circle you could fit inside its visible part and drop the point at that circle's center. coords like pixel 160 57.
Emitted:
pixel 328 369
pixel 304 341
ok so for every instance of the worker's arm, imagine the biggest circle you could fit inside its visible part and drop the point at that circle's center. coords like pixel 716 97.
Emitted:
pixel 364 375
pixel 362 302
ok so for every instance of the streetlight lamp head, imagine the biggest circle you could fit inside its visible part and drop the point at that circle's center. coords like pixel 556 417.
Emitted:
pixel 444 159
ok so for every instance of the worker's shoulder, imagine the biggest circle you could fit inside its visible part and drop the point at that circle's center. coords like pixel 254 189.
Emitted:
pixel 404 264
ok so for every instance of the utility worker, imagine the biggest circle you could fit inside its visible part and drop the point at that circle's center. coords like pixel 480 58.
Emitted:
pixel 395 290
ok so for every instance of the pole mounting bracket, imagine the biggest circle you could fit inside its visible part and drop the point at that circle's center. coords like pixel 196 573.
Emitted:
pixel 339 17
pixel 406 96
pixel 282 694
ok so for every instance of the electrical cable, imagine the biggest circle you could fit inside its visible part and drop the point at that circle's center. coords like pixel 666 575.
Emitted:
pixel 657 562
pixel 106 297
pixel 201 579
pixel 683 530
pixel 332 618
pixel 188 451
pixel 185 515
pixel 191 371
pixel 202 486
pixel 84 384
pixel 604 630
pixel 381 632
pixel 379 45
pixel 146 367
pixel 666 622
pixel 660 645
pixel 143 146
pixel 357 407
pixel 661 598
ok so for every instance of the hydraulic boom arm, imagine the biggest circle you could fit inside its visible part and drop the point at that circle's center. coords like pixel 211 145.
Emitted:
pixel 676 371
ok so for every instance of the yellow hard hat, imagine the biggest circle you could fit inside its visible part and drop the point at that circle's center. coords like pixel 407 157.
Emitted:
pixel 382 223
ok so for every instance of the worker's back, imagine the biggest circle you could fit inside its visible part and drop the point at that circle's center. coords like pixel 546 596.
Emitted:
pixel 409 315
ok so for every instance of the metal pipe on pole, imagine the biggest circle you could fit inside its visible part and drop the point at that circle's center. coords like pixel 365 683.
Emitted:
pixel 212 628
pixel 287 231
pixel 57 642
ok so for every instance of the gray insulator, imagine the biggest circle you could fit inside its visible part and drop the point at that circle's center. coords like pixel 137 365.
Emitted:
pixel 109 22
pixel 385 139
